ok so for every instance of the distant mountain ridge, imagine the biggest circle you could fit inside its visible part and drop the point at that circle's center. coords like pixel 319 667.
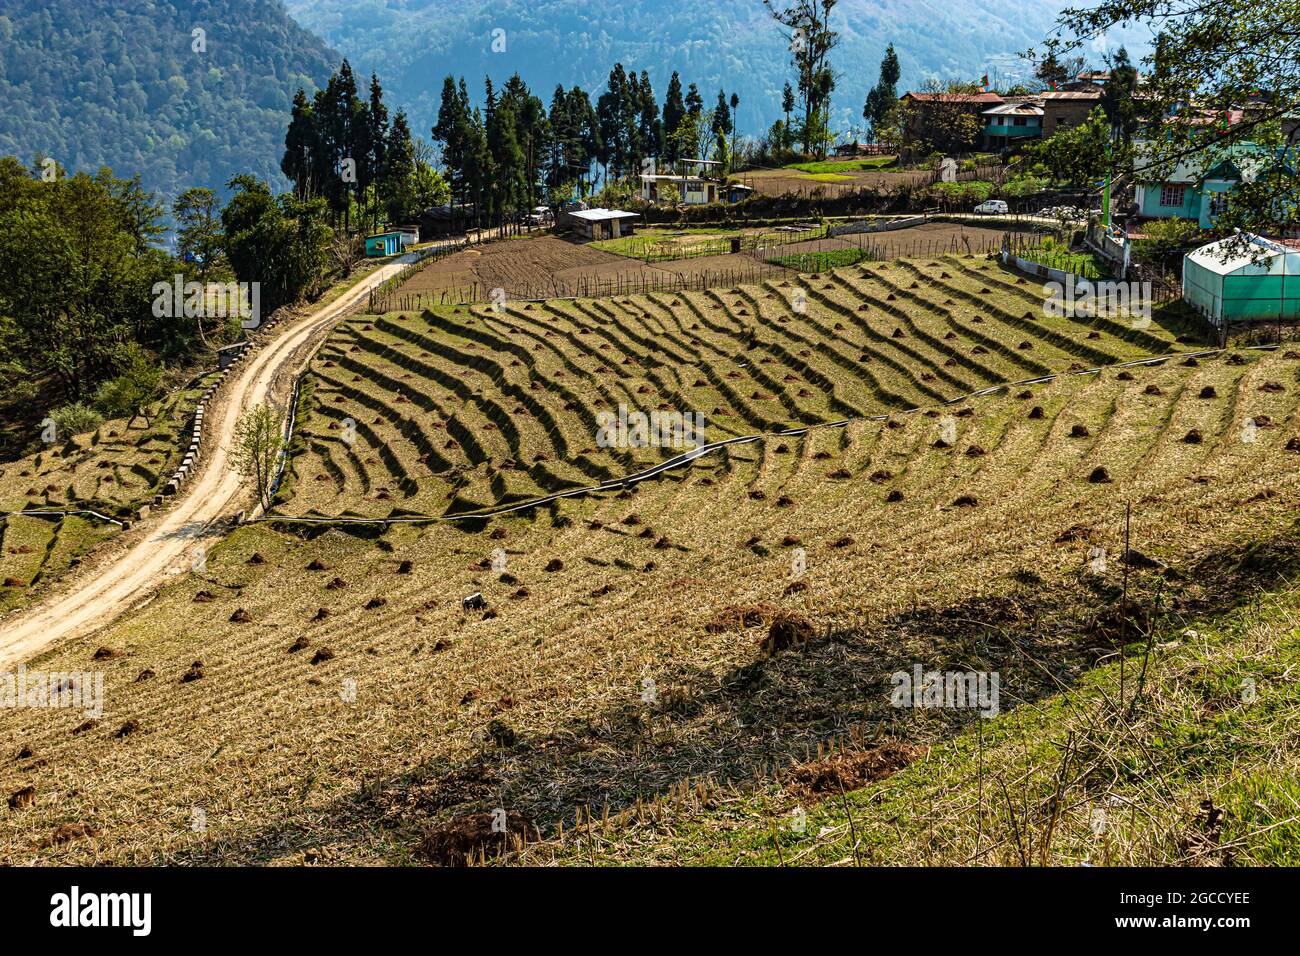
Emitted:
pixel 727 43
pixel 131 85
pixel 122 85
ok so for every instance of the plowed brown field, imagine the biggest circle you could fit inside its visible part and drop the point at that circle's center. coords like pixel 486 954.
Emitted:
pixel 546 266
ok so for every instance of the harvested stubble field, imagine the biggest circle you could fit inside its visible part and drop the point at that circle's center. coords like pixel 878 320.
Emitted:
pixel 457 409
pixel 325 698
pixel 113 470
pixel 321 696
pixel 542 266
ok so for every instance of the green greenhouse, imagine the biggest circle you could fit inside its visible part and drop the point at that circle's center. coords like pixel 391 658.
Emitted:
pixel 1243 278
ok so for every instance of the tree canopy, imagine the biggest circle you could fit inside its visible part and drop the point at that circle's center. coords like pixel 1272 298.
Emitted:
pixel 1221 73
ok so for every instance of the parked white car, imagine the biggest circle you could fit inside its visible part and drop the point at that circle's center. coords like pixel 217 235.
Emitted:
pixel 992 207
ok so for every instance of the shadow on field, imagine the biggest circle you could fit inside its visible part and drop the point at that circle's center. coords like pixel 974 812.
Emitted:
pixel 755 720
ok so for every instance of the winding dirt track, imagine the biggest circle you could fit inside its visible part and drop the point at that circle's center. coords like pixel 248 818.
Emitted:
pixel 171 543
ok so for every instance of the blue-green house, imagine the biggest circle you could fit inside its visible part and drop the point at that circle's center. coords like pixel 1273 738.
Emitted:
pixel 1008 125
pixel 1196 187
pixel 385 244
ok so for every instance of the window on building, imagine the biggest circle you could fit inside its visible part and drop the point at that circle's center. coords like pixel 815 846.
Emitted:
pixel 1172 195
pixel 1218 204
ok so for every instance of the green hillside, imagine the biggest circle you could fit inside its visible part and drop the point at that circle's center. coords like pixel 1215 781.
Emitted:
pixel 731 43
pixel 122 85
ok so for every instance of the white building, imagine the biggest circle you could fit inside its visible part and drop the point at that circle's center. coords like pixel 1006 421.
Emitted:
pixel 694 182
pixel 603 223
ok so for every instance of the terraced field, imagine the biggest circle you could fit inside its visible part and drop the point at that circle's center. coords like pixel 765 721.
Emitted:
pixel 113 471
pixel 317 695
pixel 460 409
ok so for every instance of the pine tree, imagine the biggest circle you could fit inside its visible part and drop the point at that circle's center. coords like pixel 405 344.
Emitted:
pixel 398 183
pixel 650 128
pixel 588 124
pixel 452 131
pixel 302 148
pixel 787 107
pixel 377 135
pixel 721 116
pixel 617 117
pixel 882 98
pixel 735 104
pixel 533 132
pixel 673 114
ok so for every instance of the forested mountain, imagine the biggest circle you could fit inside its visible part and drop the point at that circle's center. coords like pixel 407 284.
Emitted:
pixel 130 84
pixel 731 44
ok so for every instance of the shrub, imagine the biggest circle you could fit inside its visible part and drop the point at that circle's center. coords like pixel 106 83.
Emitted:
pixel 1167 238
pixel 975 191
pixel 76 418
pixel 130 392
pixel 1025 186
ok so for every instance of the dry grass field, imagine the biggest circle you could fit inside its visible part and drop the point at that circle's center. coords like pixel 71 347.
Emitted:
pixel 663 666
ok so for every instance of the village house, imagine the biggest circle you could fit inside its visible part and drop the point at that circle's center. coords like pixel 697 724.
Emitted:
pixel 693 182
pixel 445 220
pixel 928 117
pixel 1196 187
pixel 855 149
pixel 1009 125
pixel 1065 109
pixel 737 192
pixel 602 223
pixel 390 242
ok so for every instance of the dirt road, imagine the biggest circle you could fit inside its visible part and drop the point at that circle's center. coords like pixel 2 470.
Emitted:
pixel 176 540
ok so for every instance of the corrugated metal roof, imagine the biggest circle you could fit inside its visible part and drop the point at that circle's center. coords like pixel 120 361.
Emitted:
pixel 603 215
pixel 1228 255
pixel 953 97
pixel 1014 109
